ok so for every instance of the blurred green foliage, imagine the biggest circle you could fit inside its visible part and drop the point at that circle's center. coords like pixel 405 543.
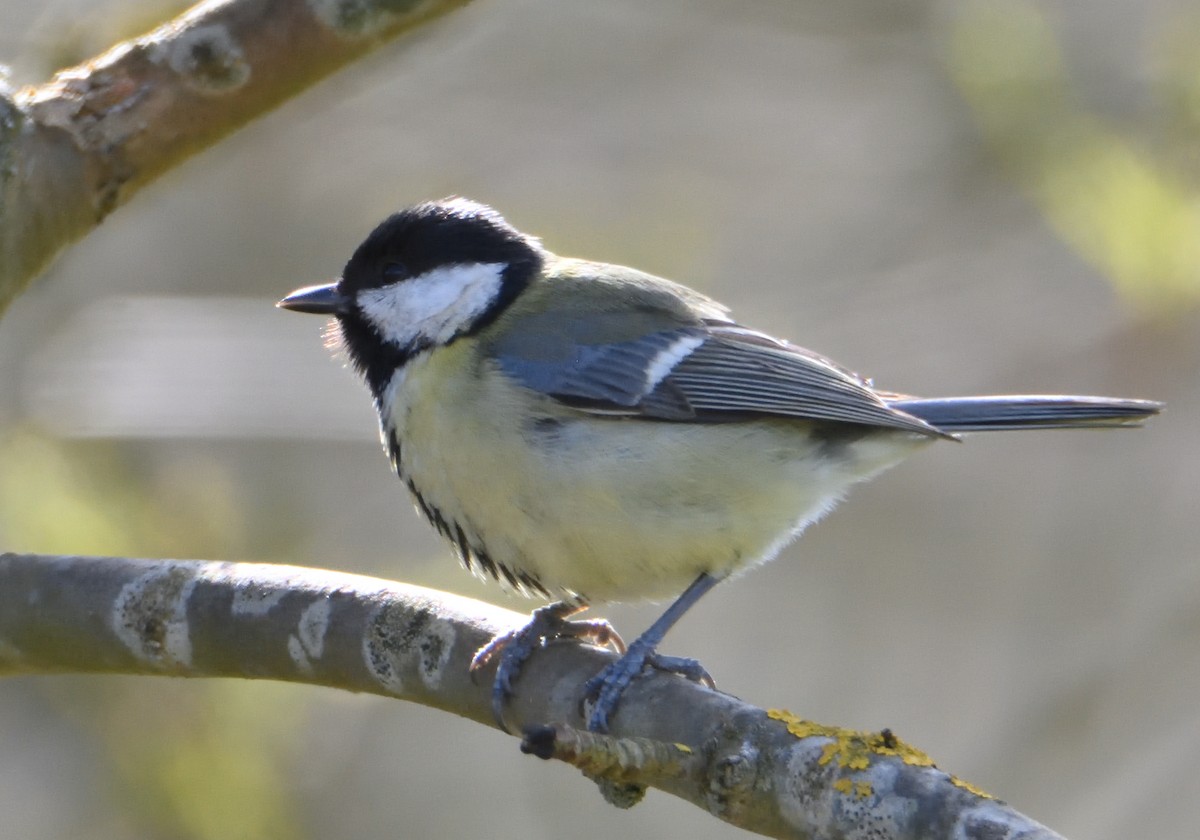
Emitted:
pixel 188 759
pixel 56 497
pixel 1132 212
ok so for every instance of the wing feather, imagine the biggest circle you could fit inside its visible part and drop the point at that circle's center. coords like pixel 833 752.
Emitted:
pixel 708 372
pixel 739 370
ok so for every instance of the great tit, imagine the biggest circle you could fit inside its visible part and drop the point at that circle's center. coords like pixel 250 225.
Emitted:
pixel 590 432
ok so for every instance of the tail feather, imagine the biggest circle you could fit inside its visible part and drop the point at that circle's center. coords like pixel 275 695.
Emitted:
pixel 987 414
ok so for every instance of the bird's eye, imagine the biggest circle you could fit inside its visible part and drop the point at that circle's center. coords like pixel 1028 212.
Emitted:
pixel 395 271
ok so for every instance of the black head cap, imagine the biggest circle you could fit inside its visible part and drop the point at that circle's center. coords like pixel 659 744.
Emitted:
pixel 435 234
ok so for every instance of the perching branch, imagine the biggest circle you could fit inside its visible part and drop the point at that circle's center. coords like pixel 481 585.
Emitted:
pixel 74 149
pixel 766 771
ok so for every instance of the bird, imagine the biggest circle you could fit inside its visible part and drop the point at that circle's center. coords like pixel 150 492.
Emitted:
pixel 586 432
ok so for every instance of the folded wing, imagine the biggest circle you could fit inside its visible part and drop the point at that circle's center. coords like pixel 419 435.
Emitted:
pixel 710 372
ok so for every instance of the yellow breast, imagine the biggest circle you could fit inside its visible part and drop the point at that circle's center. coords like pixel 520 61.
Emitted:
pixel 606 507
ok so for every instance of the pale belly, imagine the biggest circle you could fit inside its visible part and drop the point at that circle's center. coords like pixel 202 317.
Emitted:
pixel 617 509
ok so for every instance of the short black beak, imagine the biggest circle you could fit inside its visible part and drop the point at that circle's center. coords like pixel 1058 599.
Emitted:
pixel 318 300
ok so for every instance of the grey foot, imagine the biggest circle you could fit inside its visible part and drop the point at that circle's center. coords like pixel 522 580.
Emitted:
pixel 515 647
pixel 608 686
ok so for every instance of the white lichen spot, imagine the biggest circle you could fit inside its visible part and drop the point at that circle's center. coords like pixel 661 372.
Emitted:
pixel 379 655
pixel 401 642
pixel 805 773
pixel 858 805
pixel 869 816
pixel 149 616
pixel 308 642
pixel 436 643
pixel 363 18
pixel 206 57
pixel 298 656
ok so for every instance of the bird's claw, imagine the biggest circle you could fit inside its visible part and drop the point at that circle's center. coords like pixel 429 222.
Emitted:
pixel 684 666
pixel 605 689
pixel 513 648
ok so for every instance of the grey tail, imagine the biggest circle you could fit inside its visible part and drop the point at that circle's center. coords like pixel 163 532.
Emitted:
pixel 990 414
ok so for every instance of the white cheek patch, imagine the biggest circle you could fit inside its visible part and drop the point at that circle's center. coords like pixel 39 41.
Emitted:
pixel 434 306
pixel 666 359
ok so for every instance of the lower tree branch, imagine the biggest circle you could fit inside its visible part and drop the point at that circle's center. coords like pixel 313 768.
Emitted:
pixel 766 771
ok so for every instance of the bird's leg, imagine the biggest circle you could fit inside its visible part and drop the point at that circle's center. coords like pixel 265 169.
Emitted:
pixel 545 624
pixel 608 686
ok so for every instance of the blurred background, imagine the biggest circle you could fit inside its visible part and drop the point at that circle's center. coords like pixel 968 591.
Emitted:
pixel 951 198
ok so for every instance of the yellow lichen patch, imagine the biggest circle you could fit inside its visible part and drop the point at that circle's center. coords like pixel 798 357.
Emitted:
pixel 803 728
pixel 850 747
pixel 853 749
pixel 827 754
pixel 885 743
pixel 970 788
pixel 846 787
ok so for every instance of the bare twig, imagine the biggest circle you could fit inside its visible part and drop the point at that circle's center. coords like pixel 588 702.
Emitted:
pixel 77 147
pixel 765 771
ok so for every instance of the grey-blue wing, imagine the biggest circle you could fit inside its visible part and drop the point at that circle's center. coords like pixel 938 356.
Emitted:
pixel 612 377
pixel 699 373
pixel 740 371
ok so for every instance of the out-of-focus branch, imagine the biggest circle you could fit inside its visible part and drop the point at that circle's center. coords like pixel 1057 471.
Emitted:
pixel 77 147
pixel 766 771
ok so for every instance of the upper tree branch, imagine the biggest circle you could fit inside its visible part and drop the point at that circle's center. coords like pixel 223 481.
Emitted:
pixel 768 772
pixel 77 147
